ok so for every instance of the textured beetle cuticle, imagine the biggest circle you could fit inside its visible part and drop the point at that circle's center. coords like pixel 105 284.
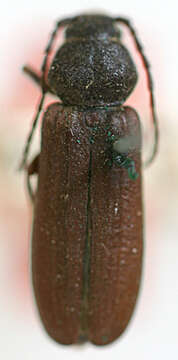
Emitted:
pixel 88 228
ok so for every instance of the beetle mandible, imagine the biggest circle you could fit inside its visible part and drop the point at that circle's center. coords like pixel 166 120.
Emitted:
pixel 87 232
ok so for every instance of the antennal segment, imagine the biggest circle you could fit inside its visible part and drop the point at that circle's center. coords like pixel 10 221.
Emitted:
pixel 150 85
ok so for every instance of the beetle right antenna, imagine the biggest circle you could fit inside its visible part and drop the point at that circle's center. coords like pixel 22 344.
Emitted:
pixel 150 85
pixel 44 89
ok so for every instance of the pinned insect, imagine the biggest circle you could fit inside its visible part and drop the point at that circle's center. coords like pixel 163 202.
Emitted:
pixel 87 231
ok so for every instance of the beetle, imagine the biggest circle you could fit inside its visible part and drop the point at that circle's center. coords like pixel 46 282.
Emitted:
pixel 88 223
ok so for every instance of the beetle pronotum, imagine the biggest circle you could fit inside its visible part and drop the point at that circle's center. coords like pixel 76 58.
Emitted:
pixel 87 233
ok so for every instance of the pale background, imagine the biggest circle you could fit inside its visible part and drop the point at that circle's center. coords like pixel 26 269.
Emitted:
pixel 153 333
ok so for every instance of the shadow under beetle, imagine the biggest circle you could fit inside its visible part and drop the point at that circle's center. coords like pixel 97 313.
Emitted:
pixel 87 232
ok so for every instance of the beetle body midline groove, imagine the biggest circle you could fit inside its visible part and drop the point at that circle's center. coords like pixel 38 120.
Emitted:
pixel 86 261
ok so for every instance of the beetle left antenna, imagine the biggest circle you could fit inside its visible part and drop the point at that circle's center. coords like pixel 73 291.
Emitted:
pixel 150 85
pixel 44 89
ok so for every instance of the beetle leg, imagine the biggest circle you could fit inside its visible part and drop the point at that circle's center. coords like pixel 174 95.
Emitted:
pixel 31 170
pixel 34 75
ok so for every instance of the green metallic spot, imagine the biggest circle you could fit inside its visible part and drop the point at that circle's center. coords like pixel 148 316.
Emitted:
pixel 91 140
pixel 127 163
pixel 133 175
pixel 110 137
pixel 78 141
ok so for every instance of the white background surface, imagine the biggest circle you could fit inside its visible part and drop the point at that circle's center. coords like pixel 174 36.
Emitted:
pixel 153 333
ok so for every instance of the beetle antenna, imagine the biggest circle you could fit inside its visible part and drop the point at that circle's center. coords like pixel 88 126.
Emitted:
pixel 150 86
pixel 30 136
pixel 44 89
